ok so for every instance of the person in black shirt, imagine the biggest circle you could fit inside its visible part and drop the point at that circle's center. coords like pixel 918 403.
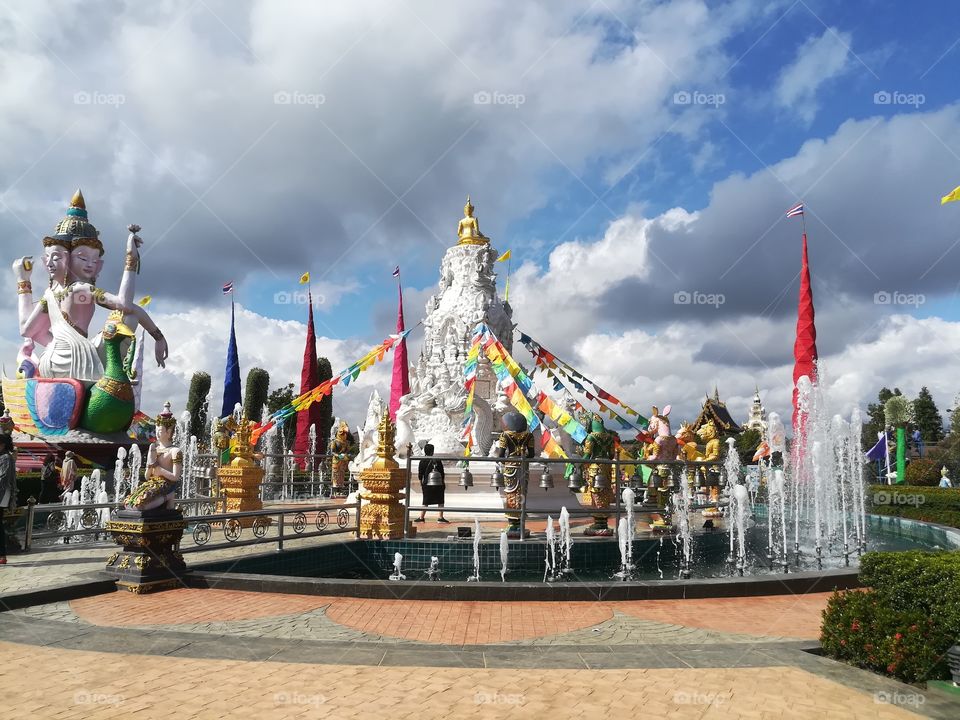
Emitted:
pixel 432 494
pixel 49 481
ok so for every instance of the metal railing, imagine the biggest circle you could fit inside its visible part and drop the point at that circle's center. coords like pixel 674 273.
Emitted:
pixel 202 528
pixel 677 471
pixel 70 521
pixel 300 476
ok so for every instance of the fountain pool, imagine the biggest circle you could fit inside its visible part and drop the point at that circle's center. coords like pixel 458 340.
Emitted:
pixel 360 567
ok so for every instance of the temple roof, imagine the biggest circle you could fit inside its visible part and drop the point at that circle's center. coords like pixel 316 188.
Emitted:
pixel 716 410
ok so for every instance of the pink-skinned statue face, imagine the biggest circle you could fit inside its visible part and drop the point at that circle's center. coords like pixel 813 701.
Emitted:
pixel 85 264
pixel 56 259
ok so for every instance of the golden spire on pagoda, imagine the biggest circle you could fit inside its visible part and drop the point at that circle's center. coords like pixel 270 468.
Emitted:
pixel 468 230
pixel 386 450
pixel 77 200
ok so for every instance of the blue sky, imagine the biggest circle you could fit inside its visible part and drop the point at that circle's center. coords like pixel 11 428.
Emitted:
pixel 230 184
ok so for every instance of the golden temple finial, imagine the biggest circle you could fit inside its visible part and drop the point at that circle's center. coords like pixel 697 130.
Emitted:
pixel 468 230
pixel 77 200
pixel 241 447
pixel 386 450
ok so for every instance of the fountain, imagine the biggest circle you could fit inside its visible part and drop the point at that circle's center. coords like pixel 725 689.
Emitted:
pixel 397 571
pixel 566 541
pixel 120 482
pixel 550 552
pixel 626 532
pixel 504 554
pixel 476 551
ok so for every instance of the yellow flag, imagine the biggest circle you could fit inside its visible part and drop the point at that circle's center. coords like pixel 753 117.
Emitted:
pixel 305 278
pixel 145 300
pixel 506 255
pixel 951 196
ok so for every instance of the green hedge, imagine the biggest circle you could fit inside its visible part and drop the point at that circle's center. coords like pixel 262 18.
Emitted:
pixel 923 471
pixel 903 624
pixel 932 515
pixel 940 498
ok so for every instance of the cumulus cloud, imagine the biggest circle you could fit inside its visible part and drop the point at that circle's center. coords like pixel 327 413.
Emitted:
pixel 819 60
pixel 198 341
pixel 245 139
pixel 249 143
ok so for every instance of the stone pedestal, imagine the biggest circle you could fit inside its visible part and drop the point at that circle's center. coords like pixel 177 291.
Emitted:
pixel 240 484
pixel 149 559
pixel 381 515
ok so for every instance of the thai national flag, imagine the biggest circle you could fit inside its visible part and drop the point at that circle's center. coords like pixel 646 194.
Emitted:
pixel 396 272
pixel 795 210
pixel 228 288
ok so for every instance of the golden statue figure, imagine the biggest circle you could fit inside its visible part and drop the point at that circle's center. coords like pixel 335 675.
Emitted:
pixel 711 453
pixel 468 230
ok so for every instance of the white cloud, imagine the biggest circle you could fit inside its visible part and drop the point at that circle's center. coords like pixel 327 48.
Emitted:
pixel 819 60
pixel 198 341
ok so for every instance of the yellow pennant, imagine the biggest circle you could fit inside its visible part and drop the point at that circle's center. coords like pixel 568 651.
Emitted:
pixel 305 278
pixel 505 256
pixel 145 300
pixel 952 196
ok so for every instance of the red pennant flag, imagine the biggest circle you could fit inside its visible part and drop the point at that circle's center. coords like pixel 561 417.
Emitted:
pixel 805 345
pixel 309 379
pixel 400 382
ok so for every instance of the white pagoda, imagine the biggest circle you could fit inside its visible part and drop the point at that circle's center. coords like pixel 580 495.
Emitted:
pixel 467 295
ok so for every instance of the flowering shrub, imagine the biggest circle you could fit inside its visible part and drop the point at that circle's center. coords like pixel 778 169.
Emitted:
pixel 903 624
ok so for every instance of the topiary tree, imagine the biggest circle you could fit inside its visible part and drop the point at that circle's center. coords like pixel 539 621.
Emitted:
pixel 197 405
pixel 256 392
pixel 746 444
pixel 898 412
pixel 324 373
pixel 277 399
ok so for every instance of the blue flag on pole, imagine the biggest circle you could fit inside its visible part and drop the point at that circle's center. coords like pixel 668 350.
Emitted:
pixel 878 451
pixel 231 379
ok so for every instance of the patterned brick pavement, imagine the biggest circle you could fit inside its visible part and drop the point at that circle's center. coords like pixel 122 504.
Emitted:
pixel 189 606
pixel 793 616
pixel 80 684
pixel 462 623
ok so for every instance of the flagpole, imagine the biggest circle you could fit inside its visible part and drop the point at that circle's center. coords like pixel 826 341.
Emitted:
pixel 506 293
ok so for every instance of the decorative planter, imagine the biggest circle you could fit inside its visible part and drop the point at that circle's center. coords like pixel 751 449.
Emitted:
pixel 148 560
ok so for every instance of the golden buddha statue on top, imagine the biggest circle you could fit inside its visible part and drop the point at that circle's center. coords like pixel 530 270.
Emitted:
pixel 468 229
